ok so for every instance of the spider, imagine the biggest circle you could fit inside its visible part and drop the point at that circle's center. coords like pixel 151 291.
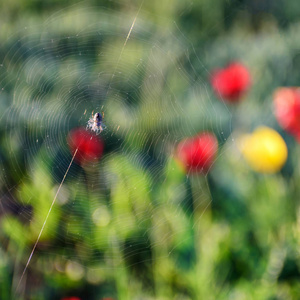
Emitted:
pixel 95 123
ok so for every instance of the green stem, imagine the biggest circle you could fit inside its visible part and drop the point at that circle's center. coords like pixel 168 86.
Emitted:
pixel 120 271
pixel 201 217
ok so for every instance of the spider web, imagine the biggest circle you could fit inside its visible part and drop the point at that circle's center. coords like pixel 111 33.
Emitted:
pixel 129 210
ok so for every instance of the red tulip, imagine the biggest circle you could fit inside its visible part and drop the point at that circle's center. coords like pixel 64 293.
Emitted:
pixel 71 298
pixel 90 147
pixel 232 82
pixel 287 109
pixel 198 153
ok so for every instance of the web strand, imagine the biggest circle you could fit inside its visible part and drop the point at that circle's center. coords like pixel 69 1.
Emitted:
pixel 46 219
pixel 124 45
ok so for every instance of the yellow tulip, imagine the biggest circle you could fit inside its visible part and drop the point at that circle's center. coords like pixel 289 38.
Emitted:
pixel 264 150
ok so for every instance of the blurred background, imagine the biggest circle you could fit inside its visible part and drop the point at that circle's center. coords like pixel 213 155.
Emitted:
pixel 184 195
